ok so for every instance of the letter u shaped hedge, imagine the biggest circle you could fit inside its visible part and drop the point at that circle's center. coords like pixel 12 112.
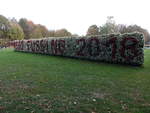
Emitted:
pixel 113 48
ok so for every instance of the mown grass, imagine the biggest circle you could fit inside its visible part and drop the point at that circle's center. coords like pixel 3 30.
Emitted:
pixel 34 83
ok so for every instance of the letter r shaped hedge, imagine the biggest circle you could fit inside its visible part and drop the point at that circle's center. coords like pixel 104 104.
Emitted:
pixel 113 48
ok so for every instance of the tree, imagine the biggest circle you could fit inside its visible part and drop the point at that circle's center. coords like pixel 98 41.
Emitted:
pixel 134 28
pixel 75 35
pixel 15 32
pixel 43 30
pixel 39 31
pixel 122 28
pixel 36 33
pixel 4 27
pixel 93 30
pixel 109 27
pixel 51 33
pixel 32 30
pixel 27 27
pixel 62 33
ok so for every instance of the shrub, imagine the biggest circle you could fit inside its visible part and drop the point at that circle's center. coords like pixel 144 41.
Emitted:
pixel 114 48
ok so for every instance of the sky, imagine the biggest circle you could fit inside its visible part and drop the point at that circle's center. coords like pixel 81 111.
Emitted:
pixel 77 15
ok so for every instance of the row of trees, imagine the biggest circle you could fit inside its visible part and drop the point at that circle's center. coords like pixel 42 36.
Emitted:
pixel 24 29
pixel 11 29
pixel 32 30
pixel 111 27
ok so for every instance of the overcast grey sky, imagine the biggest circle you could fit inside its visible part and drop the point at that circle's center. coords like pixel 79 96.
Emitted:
pixel 78 15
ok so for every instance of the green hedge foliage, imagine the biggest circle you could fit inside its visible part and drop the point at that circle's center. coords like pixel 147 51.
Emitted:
pixel 113 48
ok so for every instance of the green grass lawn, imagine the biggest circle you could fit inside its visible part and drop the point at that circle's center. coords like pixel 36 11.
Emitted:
pixel 34 83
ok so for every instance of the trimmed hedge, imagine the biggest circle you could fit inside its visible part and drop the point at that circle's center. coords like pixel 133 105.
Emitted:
pixel 114 48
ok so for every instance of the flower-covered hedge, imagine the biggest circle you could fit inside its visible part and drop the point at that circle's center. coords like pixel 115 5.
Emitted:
pixel 114 48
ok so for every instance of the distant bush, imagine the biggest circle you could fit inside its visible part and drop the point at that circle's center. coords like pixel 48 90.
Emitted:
pixel 114 48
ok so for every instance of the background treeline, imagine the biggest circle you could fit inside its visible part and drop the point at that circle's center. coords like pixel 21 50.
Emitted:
pixel 111 27
pixel 11 29
pixel 25 29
